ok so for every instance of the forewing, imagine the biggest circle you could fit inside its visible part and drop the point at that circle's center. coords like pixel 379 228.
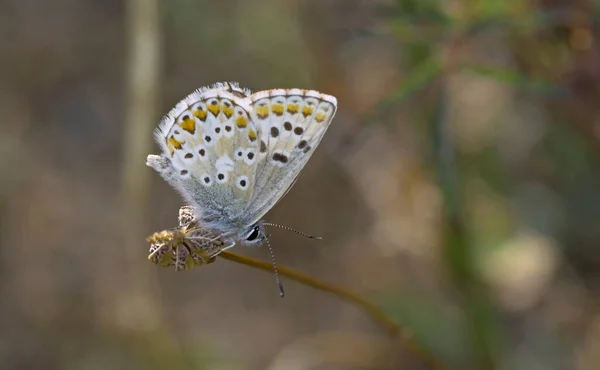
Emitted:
pixel 212 146
pixel 291 124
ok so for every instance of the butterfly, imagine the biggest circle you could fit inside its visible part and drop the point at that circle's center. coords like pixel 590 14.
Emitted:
pixel 233 154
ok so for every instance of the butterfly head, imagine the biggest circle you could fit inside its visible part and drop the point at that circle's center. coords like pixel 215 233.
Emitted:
pixel 254 235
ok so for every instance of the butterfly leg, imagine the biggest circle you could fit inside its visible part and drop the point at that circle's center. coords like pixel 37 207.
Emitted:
pixel 227 247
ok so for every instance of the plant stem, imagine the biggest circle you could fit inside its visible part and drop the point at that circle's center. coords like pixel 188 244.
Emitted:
pixel 377 314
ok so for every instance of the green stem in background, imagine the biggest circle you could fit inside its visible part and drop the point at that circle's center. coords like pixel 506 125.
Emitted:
pixel 378 315
pixel 458 251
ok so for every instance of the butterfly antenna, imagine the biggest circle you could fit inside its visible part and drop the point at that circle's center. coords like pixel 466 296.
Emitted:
pixel 293 230
pixel 275 270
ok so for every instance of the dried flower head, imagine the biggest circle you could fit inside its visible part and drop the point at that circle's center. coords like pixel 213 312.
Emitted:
pixel 185 246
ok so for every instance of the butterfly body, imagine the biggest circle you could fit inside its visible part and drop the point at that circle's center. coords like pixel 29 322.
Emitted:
pixel 233 155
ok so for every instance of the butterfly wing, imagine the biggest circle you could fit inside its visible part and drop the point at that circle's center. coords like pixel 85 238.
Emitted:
pixel 291 124
pixel 210 151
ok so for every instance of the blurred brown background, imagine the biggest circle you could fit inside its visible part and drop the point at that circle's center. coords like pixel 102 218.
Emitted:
pixel 458 187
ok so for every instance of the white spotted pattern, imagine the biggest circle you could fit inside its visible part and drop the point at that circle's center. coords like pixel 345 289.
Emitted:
pixel 249 147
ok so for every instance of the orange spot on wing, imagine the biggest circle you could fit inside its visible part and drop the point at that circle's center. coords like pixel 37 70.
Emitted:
pixel 189 125
pixel 241 122
pixel 293 108
pixel 262 111
pixel 320 117
pixel 277 109
pixel 307 111
pixel 252 135
pixel 201 114
pixel 214 109
pixel 228 111
pixel 175 143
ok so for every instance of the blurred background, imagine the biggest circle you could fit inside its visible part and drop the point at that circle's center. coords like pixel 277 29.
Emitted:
pixel 457 188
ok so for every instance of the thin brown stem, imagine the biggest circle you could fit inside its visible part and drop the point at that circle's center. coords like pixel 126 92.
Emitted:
pixel 377 314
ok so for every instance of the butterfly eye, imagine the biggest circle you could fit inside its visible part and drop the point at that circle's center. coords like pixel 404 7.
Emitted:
pixel 254 234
